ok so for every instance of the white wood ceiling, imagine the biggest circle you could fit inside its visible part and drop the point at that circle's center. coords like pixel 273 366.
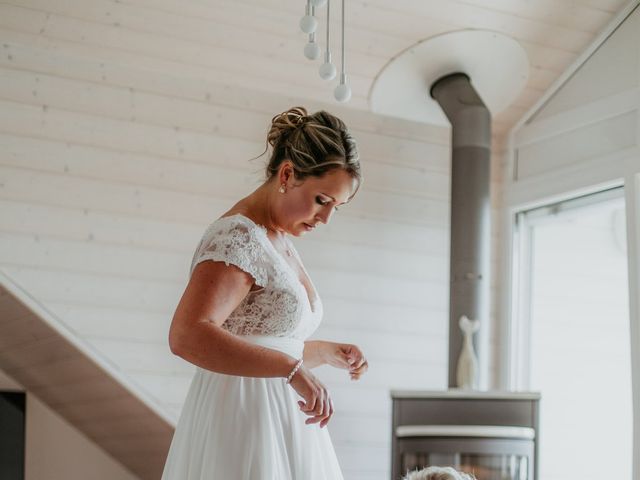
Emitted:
pixel 257 43
pixel 552 32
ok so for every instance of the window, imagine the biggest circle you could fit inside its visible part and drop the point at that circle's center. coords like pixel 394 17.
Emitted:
pixel 571 334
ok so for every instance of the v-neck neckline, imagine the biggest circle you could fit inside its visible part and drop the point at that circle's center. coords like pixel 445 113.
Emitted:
pixel 287 264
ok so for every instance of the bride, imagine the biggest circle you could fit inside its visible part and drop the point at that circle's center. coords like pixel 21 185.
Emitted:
pixel 254 410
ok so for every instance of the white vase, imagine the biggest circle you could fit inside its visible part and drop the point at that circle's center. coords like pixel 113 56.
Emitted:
pixel 467 371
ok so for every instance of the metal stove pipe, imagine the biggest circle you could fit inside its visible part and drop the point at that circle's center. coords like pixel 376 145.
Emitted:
pixel 470 211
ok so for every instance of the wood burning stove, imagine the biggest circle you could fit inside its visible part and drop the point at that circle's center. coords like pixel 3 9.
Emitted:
pixel 492 435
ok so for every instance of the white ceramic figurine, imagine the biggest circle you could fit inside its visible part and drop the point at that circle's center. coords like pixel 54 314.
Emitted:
pixel 467 372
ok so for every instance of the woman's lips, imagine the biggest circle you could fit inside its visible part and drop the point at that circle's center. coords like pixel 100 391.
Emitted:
pixel 309 227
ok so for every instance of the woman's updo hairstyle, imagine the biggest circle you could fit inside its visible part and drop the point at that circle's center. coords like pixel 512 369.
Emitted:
pixel 315 144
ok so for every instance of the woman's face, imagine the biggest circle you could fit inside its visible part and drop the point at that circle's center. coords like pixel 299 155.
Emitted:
pixel 314 200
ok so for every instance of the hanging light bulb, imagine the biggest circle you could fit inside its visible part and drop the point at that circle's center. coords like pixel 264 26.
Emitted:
pixel 342 93
pixel 309 23
pixel 318 3
pixel 327 70
pixel 311 49
pixel 343 90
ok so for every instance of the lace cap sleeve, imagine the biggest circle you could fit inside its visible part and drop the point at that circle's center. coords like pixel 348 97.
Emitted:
pixel 235 242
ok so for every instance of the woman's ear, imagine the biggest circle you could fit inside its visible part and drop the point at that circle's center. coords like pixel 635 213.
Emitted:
pixel 286 173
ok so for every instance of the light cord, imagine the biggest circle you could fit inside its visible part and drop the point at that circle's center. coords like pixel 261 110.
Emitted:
pixel 327 56
pixel 343 49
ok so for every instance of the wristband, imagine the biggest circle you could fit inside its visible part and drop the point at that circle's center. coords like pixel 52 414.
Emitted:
pixel 293 372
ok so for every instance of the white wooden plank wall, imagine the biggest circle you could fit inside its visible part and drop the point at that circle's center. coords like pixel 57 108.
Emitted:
pixel 113 163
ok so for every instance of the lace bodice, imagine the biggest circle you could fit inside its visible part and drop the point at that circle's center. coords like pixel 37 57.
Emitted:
pixel 281 307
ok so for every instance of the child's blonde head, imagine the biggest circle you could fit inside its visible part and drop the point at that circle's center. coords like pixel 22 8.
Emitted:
pixel 438 473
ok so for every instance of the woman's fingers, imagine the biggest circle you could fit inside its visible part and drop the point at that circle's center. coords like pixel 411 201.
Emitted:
pixel 304 383
pixel 319 403
pixel 356 373
pixel 316 401
pixel 362 367
pixel 323 410
pixel 355 357
pixel 357 365
pixel 319 410
pixel 326 419
pixel 309 405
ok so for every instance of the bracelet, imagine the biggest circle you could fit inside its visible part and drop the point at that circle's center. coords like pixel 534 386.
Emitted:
pixel 293 372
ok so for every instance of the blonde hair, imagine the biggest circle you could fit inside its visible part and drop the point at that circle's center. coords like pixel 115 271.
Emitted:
pixel 315 144
pixel 438 473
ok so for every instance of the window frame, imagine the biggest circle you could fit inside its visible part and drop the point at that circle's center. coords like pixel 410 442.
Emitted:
pixel 519 327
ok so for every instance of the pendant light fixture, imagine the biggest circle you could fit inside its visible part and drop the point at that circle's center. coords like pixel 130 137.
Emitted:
pixel 327 71
pixel 343 90
pixel 311 49
pixel 309 23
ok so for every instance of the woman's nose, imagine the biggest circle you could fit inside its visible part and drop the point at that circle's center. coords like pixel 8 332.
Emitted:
pixel 325 216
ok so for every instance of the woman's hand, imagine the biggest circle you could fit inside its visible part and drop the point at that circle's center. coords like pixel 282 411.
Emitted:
pixel 345 356
pixel 316 400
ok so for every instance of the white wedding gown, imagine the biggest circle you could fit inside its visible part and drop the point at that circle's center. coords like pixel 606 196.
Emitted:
pixel 241 428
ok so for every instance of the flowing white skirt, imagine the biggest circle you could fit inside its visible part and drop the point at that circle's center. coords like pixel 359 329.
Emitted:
pixel 240 428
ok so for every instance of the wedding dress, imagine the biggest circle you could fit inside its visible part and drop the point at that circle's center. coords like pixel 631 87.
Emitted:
pixel 242 428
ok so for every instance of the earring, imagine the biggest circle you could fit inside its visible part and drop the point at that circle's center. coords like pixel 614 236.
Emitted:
pixel 282 189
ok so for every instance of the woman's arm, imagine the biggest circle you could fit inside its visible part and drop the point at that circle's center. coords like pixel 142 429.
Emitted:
pixel 340 355
pixel 314 353
pixel 213 292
